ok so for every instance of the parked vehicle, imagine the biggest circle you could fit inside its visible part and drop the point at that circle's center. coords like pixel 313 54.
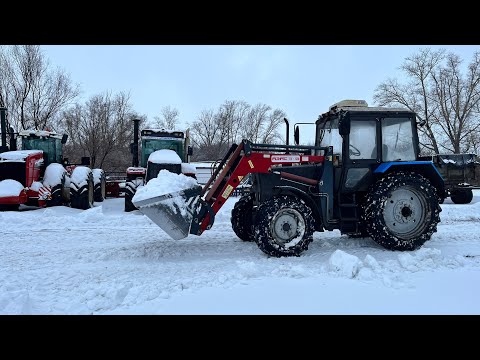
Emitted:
pixel 39 175
pixel 161 149
pixel 363 177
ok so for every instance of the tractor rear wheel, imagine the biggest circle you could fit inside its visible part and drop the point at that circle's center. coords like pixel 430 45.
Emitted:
pixel 81 194
pixel 130 190
pixel 402 211
pixel 462 196
pixel 283 226
pixel 242 218
pixel 99 191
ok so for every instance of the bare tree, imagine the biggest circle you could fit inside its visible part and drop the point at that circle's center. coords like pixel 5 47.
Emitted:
pixel 214 131
pixel 205 133
pixel 443 98
pixel 101 129
pixel 34 94
pixel 416 94
pixel 458 98
pixel 168 118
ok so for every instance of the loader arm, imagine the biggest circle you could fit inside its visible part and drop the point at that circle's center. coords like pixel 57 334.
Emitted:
pixel 193 210
pixel 240 161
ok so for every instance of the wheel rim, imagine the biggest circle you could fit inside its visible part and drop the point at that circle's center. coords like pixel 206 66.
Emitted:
pixel 405 212
pixel 287 227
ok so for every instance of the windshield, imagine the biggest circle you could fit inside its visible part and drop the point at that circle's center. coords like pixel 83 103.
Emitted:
pixel 153 144
pixel 329 136
pixel 51 147
pixel 397 139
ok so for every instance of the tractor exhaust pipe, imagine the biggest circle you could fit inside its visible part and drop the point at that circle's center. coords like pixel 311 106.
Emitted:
pixel 3 120
pixel 13 140
pixel 134 149
pixel 288 134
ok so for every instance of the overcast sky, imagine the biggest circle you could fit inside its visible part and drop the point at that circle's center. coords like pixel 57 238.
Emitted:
pixel 301 80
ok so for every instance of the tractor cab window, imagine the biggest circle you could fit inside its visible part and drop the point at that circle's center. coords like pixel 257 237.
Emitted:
pixel 48 145
pixel 363 140
pixel 397 139
pixel 150 145
pixel 329 136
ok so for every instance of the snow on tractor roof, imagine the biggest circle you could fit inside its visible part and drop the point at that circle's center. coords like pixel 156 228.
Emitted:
pixel 40 133
pixel 18 154
pixel 164 156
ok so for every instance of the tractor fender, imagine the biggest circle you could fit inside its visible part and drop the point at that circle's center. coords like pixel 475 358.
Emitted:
pixel 307 198
pixel 425 168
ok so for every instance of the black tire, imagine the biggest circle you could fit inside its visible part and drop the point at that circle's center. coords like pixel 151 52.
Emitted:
pixel 242 218
pixel 9 207
pixel 462 196
pixel 99 190
pixel 83 197
pixel 57 194
pixel 130 190
pixel 283 226
pixel 402 211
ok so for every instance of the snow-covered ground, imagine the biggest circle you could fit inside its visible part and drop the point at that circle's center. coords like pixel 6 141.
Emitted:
pixel 104 261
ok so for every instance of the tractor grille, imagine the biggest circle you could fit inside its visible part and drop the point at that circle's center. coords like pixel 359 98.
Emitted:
pixel 14 171
pixel 154 169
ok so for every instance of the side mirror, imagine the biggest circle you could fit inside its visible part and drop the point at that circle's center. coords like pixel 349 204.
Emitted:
pixel 190 150
pixel 296 135
pixel 344 125
pixel 85 160
pixel 64 138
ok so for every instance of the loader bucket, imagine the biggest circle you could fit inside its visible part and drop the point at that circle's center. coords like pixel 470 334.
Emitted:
pixel 172 212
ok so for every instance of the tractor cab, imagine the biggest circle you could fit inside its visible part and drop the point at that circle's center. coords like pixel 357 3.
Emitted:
pixel 363 138
pixel 49 142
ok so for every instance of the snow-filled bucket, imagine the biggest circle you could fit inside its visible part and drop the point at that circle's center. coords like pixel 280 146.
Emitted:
pixel 172 212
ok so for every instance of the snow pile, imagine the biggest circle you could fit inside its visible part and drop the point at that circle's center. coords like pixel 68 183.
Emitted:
pixel 164 156
pixel 165 183
pixel 344 264
pixel 10 188
pixel 188 168
pixel 53 174
pixel 80 175
pixel 106 261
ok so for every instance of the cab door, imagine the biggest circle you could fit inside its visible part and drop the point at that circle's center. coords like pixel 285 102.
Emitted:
pixel 362 150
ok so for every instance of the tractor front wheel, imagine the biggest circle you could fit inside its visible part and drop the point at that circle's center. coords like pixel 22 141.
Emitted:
pixel 242 218
pixel 283 226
